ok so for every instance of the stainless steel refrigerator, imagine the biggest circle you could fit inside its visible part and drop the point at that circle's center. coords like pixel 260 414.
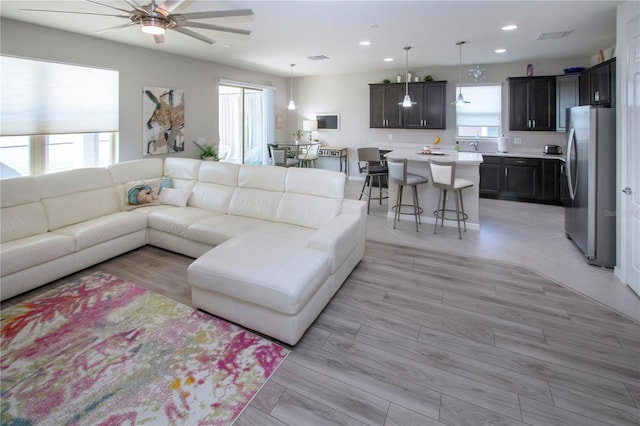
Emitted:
pixel 590 209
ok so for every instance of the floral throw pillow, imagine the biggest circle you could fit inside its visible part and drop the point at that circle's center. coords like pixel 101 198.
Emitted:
pixel 142 193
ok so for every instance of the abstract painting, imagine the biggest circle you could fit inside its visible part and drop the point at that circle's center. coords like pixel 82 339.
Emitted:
pixel 163 127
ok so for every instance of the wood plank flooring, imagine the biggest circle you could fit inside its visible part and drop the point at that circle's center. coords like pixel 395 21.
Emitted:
pixel 416 337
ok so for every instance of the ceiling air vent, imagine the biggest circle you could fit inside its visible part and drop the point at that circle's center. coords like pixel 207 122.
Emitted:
pixel 318 57
pixel 549 36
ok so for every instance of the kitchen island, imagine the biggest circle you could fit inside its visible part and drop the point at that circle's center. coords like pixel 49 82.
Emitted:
pixel 467 166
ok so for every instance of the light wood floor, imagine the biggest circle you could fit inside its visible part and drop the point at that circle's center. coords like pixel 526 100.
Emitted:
pixel 416 337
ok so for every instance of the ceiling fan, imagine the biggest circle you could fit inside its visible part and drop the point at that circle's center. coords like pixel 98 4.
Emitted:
pixel 155 20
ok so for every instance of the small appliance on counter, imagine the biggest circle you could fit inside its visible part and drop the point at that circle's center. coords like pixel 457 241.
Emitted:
pixel 553 149
pixel 503 145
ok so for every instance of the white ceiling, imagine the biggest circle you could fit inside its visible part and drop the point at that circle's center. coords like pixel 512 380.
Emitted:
pixel 288 32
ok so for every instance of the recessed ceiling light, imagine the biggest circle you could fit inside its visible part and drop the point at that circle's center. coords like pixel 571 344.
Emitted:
pixel 388 59
pixel 509 27
pixel 365 43
pixel 500 50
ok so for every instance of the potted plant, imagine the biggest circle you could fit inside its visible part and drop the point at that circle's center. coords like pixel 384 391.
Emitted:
pixel 207 152
pixel 297 135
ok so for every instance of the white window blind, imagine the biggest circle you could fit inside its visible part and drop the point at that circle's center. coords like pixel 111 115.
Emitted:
pixel 483 111
pixel 46 98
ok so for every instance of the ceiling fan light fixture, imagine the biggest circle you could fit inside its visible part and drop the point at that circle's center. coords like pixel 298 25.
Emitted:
pixel 153 26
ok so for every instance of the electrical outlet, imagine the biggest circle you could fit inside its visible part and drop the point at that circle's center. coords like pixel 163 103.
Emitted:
pixel 390 137
pixel 517 141
pixel 202 141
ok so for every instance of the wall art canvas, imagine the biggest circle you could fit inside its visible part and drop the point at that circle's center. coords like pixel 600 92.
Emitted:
pixel 163 126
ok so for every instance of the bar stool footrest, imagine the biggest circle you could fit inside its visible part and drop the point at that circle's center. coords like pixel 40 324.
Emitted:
pixel 460 215
pixel 408 206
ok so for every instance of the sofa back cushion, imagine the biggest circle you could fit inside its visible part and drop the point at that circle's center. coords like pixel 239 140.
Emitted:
pixel 217 182
pixel 74 196
pixel 312 197
pixel 22 213
pixel 259 192
pixel 182 171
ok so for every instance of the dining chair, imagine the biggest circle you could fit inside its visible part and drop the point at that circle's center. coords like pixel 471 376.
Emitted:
pixel 280 157
pixel 309 156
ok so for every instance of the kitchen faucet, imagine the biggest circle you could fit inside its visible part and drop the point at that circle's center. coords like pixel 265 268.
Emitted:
pixel 474 144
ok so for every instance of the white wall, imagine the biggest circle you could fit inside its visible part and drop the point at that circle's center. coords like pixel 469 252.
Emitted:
pixel 346 94
pixel 139 68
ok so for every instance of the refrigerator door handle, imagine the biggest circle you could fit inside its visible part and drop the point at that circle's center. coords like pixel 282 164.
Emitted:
pixel 570 149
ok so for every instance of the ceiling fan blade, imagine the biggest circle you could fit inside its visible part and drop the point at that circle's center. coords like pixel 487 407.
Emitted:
pixel 159 38
pixel 217 14
pixel 107 5
pixel 216 28
pixel 193 34
pixel 75 13
pixel 117 27
pixel 137 7
pixel 168 6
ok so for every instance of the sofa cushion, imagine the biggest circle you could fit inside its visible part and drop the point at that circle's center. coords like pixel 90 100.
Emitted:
pixel 282 274
pixel 19 190
pixel 74 196
pixel 176 220
pixel 95 231
pixel 307 210
pixel 24 253
pixel 183 171
pixel 216 230
pixel 22 221
pixel 219 173
pixel 211 196
pixel 127 171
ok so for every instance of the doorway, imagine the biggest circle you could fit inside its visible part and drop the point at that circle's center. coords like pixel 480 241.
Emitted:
pixel 243 118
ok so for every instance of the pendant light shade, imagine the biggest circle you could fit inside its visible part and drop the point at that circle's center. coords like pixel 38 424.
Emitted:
pixel 406 102
pixel 292 105
pixel 460 99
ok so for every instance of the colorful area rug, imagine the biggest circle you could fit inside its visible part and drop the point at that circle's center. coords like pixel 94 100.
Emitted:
pixel 104 351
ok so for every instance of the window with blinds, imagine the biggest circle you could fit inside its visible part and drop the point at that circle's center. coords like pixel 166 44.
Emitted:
pixel 482 116
pixel 55 116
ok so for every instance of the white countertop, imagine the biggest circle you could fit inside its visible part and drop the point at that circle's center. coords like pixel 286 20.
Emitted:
pixel 462 158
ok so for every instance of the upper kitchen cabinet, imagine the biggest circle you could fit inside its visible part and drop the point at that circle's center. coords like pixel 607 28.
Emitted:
pixel 567 96
pixel 429 112
pixel 384 108
pixel 598 84
pixel 532 103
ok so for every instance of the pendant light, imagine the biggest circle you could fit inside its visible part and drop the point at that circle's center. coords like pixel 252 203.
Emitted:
pixel 460 99
pixel 407 99
pixel 292 105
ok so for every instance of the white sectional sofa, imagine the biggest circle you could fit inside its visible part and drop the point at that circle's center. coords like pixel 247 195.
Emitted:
pixel 274 244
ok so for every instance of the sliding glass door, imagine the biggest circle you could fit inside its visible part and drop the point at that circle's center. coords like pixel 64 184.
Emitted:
pixel 243 118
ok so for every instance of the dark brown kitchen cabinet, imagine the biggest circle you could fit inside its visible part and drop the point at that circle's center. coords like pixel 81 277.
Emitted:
pixel 491 177
pixel 521 179
pixel 384 108
pixel 550 180
pixel 567 96
pixel 532 103
pixel 598 84
pixel 429 111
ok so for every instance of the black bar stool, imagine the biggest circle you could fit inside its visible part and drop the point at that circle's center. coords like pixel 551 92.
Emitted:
pixel 370 162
